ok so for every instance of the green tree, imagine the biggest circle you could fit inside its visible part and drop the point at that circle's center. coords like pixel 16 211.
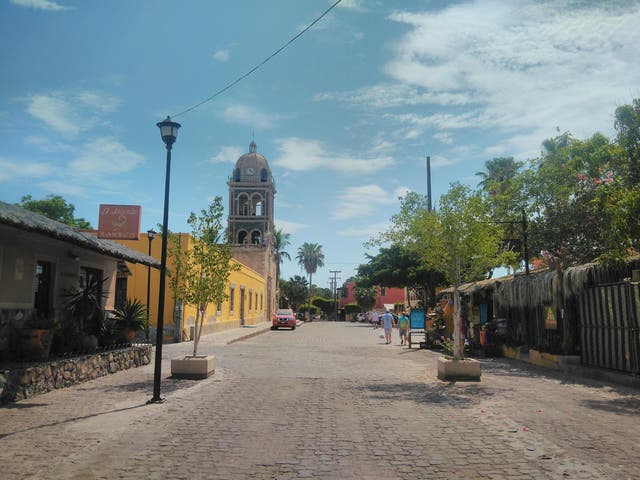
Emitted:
pixel 293 292
pixel 503 185
pixel 459 240
pixel 627 124
pixel 365 294
pixel 280 243
pixel 201 272
pixel 397 266
pixel 324 304
pixel 310 257
pixel 576 189
pixel 56 208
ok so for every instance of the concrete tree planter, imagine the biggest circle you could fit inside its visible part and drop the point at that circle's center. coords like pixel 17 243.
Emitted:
pixel 193 367
pixel 466 369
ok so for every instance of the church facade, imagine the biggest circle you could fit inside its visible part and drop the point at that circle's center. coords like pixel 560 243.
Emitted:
pixel 251 220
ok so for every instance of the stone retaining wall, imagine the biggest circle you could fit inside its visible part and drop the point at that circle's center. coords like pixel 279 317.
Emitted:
pixel 18 384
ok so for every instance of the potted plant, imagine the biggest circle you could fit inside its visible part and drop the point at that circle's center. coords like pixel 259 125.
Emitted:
pixel 130 319
pixel 107 330
pixel 34 339
pixel 83 308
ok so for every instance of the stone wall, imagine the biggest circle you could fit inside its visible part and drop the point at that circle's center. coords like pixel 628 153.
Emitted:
pixel 20 383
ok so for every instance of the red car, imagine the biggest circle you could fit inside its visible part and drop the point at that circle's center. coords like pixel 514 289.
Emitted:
pixel 284 317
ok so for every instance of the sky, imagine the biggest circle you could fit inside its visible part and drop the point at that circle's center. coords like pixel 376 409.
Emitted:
pixel 345 115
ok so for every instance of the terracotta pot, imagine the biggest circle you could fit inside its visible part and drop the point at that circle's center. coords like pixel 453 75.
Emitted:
pixel 34 344
pixel 128 335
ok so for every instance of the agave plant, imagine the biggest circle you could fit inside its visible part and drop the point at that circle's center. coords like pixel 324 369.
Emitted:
pixel 131 316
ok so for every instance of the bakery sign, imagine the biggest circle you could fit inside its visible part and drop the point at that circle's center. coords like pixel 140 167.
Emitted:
pixel 119 222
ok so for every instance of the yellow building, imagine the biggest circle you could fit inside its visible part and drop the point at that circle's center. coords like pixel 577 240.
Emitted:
pixel 246 305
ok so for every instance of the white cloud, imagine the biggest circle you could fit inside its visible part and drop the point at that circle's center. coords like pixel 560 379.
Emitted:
pixel 222 55
pixel 66 189
pixel 70 113
pixel 438 161
pixel 355 5
pixel 289 227
pixel 105 156
pixel 366 231
pixel 249 116
pixel 444 137
pixel 227 154
pixel 303 155
pixel 388 95
pixel 47 144
pixel 11 170
pixel 527 66
pixel 40 5
pixel 365 200
pixel 55 112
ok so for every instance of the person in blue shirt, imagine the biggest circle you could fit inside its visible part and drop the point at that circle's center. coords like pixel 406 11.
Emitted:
pixel 403 326
pixel 387 324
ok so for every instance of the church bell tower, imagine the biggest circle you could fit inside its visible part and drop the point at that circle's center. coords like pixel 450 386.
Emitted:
pixel 251 219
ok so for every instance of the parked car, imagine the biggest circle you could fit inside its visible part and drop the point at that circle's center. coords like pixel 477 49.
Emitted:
pixel 284 317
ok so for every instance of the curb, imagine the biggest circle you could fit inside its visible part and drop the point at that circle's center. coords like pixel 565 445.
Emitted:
pixel 248 335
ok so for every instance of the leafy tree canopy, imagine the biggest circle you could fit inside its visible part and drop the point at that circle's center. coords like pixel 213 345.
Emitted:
pixel 56 208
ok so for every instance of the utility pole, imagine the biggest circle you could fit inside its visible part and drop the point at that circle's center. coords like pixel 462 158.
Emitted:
pixel 524 241
pixel 334 288
pixel 429 182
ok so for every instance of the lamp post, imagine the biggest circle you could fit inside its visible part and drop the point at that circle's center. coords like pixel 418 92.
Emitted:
pixel 168 132
pixel 150 236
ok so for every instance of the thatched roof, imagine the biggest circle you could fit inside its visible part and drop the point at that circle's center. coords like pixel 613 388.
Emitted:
pixel 27 221
pixel 488 284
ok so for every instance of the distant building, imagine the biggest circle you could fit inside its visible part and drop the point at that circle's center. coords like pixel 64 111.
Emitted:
pixel 387 296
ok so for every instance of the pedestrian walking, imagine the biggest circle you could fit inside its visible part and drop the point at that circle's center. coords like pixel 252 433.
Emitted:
pixel 374 319
pixel 387 324
pixel 403 327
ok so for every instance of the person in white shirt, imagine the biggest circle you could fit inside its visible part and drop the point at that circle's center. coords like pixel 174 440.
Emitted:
pixel 387 324
pixel 374 319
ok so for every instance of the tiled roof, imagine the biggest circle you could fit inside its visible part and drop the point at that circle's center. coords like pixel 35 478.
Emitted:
pixel 28 221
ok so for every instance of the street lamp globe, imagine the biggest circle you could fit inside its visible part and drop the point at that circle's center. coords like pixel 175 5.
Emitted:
pixel 168 131
pixel 151 234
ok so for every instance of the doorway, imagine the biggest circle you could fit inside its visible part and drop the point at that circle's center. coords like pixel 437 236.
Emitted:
pixel 242 300
pixel 43 301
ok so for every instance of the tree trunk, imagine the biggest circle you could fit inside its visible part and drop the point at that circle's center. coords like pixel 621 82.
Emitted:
pixel 198 329
pixel 458 351
pixel 309 299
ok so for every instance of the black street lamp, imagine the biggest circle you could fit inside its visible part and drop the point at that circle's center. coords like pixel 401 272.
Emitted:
pixel 150 235
pixel 169 132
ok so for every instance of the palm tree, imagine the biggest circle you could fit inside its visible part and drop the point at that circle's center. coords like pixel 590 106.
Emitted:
pixel 310 257
pixel 280 242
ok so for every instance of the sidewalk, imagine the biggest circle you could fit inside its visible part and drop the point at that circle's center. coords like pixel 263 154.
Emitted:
pixel 207 346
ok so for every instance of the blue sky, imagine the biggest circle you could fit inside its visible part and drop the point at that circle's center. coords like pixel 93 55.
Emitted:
pixel 345 115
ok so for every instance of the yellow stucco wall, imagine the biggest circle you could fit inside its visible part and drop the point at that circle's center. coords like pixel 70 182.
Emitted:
pixel 246 282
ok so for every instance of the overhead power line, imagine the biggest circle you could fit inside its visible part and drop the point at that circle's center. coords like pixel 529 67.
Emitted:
pixel 239 79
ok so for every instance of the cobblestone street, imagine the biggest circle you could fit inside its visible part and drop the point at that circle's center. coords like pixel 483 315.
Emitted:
pixel 326 401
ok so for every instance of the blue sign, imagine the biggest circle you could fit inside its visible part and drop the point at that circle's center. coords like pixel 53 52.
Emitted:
pixel 417 319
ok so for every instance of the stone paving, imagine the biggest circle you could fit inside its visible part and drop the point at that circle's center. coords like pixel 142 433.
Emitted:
pixel 326 401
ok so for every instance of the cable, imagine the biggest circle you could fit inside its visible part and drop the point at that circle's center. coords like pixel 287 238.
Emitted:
pixel 239 79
